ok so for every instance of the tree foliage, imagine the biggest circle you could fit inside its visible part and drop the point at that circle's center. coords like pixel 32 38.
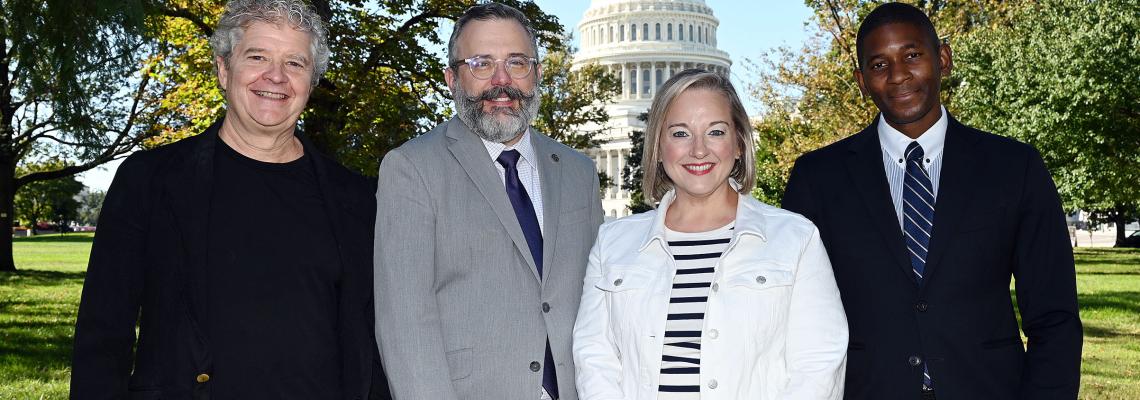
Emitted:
pixel 632 173
pixel 574 100
pixel 52 200
pixel 90 204
pixel 1073 96
pixel 74 85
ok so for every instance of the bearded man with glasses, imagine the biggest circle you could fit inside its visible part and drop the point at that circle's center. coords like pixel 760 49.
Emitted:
pixel 483 230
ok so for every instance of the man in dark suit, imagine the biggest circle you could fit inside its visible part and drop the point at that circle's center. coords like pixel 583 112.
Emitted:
pixel 925 220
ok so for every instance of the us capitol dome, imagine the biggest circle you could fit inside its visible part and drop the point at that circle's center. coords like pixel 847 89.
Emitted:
pixel 644 42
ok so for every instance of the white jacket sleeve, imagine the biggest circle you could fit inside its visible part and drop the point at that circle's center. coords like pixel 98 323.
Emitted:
pixel 816 353
pixel 596 354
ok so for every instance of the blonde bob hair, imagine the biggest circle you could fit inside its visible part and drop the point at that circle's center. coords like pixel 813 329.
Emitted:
pixel 655 182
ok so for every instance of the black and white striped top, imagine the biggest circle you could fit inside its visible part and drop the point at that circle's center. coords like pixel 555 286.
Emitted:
pixel 695 255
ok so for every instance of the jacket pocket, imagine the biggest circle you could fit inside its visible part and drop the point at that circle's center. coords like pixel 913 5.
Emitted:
pixel 762 276
pixel 459 363
pixel 624 278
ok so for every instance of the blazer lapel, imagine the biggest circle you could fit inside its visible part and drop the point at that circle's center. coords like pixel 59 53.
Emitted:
pixel 472 156
pixel 955 194
pixel 865 164
pixel 550 171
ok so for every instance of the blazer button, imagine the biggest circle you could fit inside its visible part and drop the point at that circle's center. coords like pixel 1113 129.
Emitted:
pixel 761 279
pixel 712 384
pixel 202 378
pixel 920 306
pixel 535 366
pixel 715 287
pixel 545 307
pixel 914 361
pixel 713 333
pixel 618 281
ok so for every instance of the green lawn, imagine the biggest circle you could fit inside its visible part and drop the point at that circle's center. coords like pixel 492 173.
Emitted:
pixel 38 304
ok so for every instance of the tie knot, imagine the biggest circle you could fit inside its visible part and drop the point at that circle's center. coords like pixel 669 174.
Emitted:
pixel 509 158
pixel 914 152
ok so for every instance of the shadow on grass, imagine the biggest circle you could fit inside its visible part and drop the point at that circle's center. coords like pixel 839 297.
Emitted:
pixel 1126 303
pixel 57 238
pixel 33 277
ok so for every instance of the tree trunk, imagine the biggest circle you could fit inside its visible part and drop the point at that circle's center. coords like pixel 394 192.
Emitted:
pixel 7 196
pixel 1118 218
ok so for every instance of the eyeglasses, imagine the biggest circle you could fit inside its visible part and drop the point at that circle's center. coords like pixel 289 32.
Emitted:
pixel 483 67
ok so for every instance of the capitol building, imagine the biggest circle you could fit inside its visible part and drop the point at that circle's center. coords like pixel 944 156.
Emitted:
pixel 644 42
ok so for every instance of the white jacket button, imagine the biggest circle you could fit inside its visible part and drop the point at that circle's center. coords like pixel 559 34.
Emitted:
pixel 617 282
pixel 712 383
pixel 761 279
pixel 713 333
pixel 715 287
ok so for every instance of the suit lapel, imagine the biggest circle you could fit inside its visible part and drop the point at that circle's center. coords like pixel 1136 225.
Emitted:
pixel 865 164
pixel 472 156
pixel 955 194
pixel 550 171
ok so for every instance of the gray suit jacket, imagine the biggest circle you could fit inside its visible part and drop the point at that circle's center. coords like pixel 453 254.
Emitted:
pixel 460 310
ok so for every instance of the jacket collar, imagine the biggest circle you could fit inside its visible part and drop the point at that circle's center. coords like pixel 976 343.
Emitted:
pixel 749 218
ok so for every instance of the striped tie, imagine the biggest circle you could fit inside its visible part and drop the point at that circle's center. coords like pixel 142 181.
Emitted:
pixel 918 220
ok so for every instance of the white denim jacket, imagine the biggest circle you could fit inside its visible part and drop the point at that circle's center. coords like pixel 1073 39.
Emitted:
pixel 774 326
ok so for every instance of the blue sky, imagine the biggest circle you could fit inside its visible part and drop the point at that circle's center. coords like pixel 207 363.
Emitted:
pixel 747 29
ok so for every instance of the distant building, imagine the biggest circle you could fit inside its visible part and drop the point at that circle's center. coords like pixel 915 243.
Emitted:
pixel 644 42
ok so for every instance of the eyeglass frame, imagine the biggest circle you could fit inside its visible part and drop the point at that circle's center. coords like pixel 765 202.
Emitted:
pixel 496 61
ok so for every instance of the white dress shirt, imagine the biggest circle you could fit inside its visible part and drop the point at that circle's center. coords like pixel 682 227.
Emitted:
pixel 528 170
pixel 894 145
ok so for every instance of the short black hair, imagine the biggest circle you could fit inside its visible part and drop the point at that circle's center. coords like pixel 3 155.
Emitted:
pixel 489 11
pixel 894 13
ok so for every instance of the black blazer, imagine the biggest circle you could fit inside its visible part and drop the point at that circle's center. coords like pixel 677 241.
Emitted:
pixel 145 268
pixel 997 214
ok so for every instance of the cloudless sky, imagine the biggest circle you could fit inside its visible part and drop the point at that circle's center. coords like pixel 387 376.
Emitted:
pixel 747 29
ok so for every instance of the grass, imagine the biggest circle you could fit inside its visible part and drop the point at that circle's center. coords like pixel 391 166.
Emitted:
pixel 38 305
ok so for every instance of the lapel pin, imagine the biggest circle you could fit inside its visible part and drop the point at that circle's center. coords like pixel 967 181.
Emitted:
pixel 554 157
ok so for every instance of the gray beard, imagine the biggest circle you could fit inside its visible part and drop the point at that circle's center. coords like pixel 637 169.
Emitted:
pixel 487 125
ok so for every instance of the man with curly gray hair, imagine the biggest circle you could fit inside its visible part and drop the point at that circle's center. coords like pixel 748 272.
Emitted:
pixel 240 255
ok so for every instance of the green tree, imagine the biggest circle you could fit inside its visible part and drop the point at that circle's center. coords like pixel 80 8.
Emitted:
pixel 1073 96
pixel 632 173
pixel 573 109
pixel 52 200
pixel 90 204
pixel 73 85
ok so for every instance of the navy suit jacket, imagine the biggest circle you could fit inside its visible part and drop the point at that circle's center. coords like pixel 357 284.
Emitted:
pixel 997 215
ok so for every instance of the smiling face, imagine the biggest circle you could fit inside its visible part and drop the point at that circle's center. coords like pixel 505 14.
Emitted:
pixel 698 144
pixel 901 72
pixel 498 109
pixel 268 78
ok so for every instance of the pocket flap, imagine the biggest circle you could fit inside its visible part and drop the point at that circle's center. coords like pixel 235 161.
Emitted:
pixel 620 279
pixel 762 276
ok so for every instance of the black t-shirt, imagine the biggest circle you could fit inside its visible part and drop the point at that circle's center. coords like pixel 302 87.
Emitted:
pixel 273 274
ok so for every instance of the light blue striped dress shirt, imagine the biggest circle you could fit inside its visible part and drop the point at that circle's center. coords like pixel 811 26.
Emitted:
pixel 894 145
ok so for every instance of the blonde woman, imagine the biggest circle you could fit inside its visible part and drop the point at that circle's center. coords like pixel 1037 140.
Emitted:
pixel 713 295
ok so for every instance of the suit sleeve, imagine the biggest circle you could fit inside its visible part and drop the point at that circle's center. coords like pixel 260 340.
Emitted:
pixel 816 352
pixel 109 306
pixel 408 329
pixel 598 375
pixel 797 195
pixel 1046 291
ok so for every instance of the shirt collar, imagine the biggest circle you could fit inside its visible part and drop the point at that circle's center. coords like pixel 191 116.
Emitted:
pixel 749 217
pixel 894 142
pixel 524 147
